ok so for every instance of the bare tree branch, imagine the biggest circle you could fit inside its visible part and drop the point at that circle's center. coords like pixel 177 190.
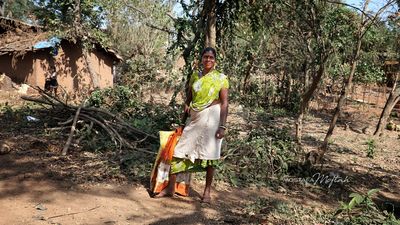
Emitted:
pixel 351 6
pixel 71 134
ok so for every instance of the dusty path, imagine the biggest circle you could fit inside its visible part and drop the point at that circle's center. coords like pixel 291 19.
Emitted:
pixel 33 191
pixel 38 186
pixel 29 194
pixel 43 202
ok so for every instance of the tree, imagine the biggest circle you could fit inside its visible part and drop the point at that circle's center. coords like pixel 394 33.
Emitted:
pixel 1 8
pixel 22 10
pixel 319 47
pixel 364 25
pixel 394 95
pixel 142 32
pixel 211 18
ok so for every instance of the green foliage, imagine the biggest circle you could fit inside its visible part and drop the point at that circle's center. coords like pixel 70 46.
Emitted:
pixel 254 97
pixel 56 13
pixel 254 157
pixel 362 210
pixel 117 98
pixel 7 111
pixel 369 72
pixel 371 147
pixel 139 31
pixel 281 212
pixel 82 20
pixel 17 116
pixel 138 166
pixel 17 113
pixel 124 101
pixel 340 25
pixel 22 9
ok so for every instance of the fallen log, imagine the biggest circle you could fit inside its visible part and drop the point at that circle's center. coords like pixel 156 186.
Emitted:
pixel 115 127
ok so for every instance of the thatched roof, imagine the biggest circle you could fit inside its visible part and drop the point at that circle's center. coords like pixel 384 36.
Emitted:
pixel 7 24
pixel 17 38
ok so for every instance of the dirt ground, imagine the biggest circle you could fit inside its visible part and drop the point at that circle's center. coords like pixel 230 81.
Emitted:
pixel 38 186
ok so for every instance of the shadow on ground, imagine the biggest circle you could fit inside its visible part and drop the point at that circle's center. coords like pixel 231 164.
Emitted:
pixel 34 159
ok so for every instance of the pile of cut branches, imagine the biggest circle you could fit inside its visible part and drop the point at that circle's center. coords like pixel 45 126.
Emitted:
pixel 122 134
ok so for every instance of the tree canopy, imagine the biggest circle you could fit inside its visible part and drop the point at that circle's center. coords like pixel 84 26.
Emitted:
pixel 277 53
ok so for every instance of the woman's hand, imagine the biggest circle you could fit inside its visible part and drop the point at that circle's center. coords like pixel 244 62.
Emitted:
pixel 185 115
pixel 186 109
pixel 220 133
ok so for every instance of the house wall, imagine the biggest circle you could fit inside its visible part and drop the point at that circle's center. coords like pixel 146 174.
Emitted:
pixel 102 65
pixel 23 69
pixel 72 73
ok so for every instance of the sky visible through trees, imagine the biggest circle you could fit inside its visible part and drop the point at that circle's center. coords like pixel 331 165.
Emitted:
pixel 374 4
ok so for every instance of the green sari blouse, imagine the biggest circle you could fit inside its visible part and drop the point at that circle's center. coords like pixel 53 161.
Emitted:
pixel 205 89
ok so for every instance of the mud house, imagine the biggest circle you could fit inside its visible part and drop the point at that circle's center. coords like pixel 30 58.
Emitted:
pixel 27 54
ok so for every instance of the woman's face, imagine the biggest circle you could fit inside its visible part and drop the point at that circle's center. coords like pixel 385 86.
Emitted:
pixel 208 60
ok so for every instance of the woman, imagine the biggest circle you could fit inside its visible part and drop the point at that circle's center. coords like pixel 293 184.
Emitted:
pixel 199 147
pixel 51 84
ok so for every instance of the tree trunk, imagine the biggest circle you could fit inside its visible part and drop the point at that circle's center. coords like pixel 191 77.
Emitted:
pixel 79 33
pixel 307 97
pixel 394 97
pixel 77 19
pixel 299 127
pixel 347 85
pixel 305 75
pixel 188 51
pixel 346 88
pixel 2 8
pixel 288 91
pixel 211 33
pixel 93 75
pixel 248 72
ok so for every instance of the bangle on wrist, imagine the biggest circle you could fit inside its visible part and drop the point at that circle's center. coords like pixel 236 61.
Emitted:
pixel 222 127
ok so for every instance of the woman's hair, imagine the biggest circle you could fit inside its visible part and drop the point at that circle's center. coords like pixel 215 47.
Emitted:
pixel 209 49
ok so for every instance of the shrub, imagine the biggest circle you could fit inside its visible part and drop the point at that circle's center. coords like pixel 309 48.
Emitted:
pixel 256 157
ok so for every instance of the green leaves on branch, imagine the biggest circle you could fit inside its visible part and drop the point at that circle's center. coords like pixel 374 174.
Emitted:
pixel 362 210
pixel 126 103
pixel 254 156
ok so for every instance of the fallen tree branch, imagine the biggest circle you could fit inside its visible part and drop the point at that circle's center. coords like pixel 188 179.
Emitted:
pixel 88 131
pixel 113 116
pixel 110 132
pixel 71 134
pixel 121 133
pixel 66 122
pixel 58 128
pixel 70 214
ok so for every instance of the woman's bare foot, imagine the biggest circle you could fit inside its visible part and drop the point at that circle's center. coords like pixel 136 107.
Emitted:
pixel 207 190
pixel 163 194
pixel 206 199
pixel 169 191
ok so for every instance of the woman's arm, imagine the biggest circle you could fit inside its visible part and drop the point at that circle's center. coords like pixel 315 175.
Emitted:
pixel 188 100
pixel 223 96
pixel 186 109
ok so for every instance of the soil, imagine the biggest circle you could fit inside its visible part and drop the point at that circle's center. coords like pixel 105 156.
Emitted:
pixel 39 186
